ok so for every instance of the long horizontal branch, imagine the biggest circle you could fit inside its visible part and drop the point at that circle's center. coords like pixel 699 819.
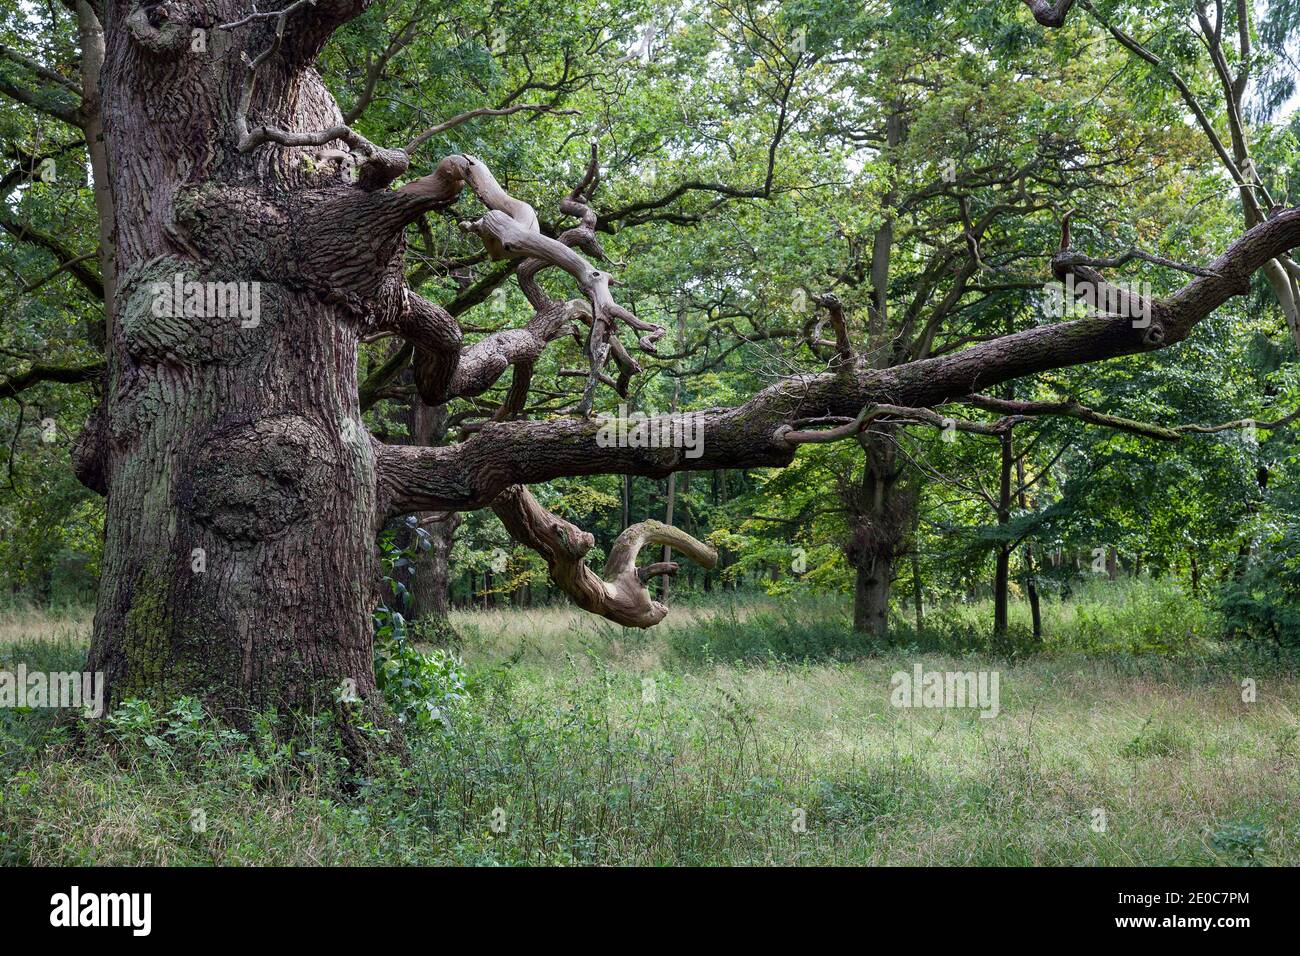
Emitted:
pixel 471 474
pixel 40 69
pixel 42 103
pixel 1072 409
pixel 68 375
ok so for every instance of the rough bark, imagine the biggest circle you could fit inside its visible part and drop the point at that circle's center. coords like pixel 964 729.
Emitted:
pixel 432 591
pixel 241 515
pixel 881 513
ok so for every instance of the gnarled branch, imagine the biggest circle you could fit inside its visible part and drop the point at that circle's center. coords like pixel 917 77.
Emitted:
pixel 620 595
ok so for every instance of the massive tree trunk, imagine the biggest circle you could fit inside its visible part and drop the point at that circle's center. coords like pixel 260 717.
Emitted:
pixel 241 517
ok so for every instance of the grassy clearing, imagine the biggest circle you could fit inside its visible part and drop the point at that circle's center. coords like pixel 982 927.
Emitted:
pixel 583 743
pixel 23 623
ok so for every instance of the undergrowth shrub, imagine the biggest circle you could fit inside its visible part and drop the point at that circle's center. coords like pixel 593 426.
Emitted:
pixel 1115 617
pixel 1264 602
pixel 419 688
pixel 1105 617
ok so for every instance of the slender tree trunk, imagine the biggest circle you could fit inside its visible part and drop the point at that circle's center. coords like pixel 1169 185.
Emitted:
pixel 1001 579
pixel 670 505
pixel 687 523
pixel 671 496
pixel 1031 590
pixel 1002 573
pixel 917 596
pixel 91 40
pixel 724 555
pixel 1031 584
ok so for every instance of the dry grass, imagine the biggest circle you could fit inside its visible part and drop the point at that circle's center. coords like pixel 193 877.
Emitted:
pixel 710 771
pixel 23 623
pixel 551 634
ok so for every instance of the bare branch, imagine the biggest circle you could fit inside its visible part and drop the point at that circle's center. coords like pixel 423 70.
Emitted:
pixel 1071 409
pixel 278 15
pixel 509 229
pixel 621 595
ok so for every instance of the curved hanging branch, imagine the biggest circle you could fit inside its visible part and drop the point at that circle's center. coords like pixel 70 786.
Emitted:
pixel 621 594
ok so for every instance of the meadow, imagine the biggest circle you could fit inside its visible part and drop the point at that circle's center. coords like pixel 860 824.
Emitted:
pixel 739 732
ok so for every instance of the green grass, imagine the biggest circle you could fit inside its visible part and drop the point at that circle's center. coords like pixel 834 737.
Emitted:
pixel 713 739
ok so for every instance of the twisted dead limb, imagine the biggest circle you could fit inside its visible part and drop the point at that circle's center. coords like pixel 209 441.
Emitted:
pixel 509 229
pixel 621 594
pixel 602 339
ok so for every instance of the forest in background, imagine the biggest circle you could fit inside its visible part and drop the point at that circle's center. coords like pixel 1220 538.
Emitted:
pixel 753 159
